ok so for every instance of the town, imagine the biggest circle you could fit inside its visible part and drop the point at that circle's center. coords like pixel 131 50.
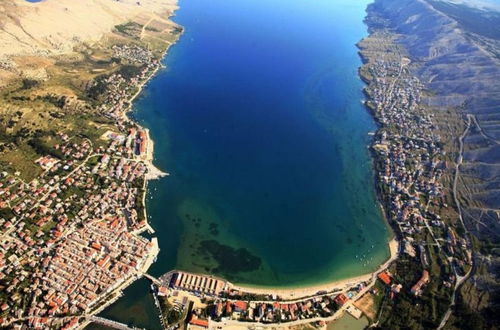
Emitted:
pixel 207 302
pixel 414 173
pixel 410 165
pixel 70 238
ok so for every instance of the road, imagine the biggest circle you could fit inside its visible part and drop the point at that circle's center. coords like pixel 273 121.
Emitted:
pixel 460 279
pixel 483 134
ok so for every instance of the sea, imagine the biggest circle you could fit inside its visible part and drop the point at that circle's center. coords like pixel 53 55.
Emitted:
pixel 258 119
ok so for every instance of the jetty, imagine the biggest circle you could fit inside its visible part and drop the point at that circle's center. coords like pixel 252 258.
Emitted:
pixel 111 323
pixel 152 279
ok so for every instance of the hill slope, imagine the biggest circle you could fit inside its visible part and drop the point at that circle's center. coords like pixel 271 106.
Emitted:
pixel 457 48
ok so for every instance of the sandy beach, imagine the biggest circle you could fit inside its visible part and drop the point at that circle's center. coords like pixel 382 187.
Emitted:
pixel 299 292
pixel 54 16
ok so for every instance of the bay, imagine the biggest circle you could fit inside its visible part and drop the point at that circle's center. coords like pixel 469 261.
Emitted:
pixel 259 121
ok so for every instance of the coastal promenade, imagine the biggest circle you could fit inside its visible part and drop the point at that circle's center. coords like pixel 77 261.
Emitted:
pixel 291 296
pixel 196 286
pixel 338 314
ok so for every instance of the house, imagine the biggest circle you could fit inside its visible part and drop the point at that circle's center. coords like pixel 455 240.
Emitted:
pixel 240 306
pixel 197 323
pixel 424 279
pixel 384 277
pixel 341 299
pixel 162 291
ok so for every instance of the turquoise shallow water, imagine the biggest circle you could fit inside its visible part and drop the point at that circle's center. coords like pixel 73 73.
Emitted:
pixel 258 118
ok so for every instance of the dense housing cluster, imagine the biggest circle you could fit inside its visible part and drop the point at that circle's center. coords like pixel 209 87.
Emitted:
pixel 69 237
pixel 221 302
pixel 132 54
pixel 410 165
pixel 90 262
pixel 114 92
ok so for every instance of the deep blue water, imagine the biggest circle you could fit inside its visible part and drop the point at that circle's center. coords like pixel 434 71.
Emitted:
pixel 258 118
pixel 259 121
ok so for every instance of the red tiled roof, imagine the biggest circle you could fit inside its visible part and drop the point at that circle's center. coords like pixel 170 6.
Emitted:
pixel 341 299
pixel 199 322
pixel 384 277
pixel 240 305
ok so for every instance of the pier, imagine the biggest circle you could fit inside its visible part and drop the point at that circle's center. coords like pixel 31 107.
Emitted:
pixel 152 279
pixel 111 323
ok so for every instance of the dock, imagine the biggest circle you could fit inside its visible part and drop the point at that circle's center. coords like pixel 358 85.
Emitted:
pixel 111 323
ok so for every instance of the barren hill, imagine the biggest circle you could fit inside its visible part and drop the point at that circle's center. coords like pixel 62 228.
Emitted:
pixel 54 26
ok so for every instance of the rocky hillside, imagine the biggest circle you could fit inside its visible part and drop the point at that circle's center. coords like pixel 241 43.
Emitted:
pixel 457 51
pixel 56 27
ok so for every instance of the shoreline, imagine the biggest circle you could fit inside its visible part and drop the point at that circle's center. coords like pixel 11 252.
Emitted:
pixel 295 292
pixel 117 293
pixel 290 291
pixel 152 173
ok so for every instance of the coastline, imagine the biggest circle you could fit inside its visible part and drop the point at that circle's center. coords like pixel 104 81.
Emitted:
pixel 117 293
pixel 79 249
pixel 292 291
pixel 152 173
pixel 311 290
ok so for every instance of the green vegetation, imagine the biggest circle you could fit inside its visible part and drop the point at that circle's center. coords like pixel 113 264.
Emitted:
pixel 171 314
pixel 129 28
pixel 6 213
pixel 177 30
pixel 130 71
pixel 467 318
pixel 98 88
pixel 57 101
pixel 29 83
pixel 406 311
pixel 152 29
pixel 42 148
pixel 139 206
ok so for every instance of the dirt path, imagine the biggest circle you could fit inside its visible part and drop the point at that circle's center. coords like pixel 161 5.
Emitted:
pixel 460 279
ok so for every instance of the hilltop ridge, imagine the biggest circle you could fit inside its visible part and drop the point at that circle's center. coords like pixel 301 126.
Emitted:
pixel 55 28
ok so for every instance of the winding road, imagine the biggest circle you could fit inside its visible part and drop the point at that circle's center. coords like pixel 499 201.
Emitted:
pixel 460 279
